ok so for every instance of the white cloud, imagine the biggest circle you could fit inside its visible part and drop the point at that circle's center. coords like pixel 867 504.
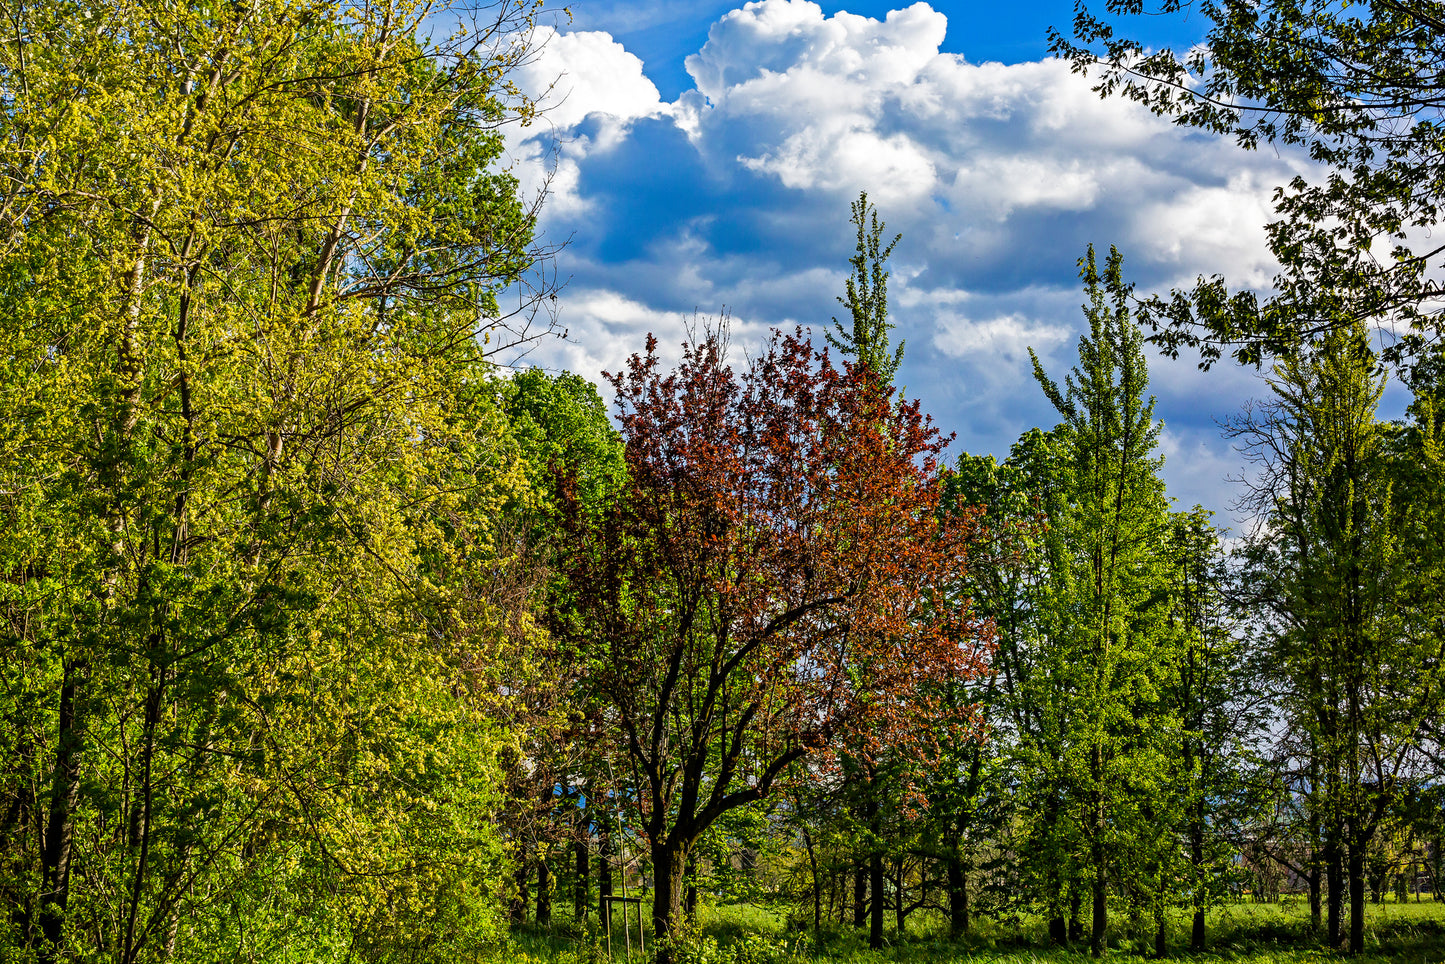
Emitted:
pixel 997 175
pixel 576 75
pixel 604 329
pixel 573 77
pixel 1005 337
pixel 1221 226
pixel 750 48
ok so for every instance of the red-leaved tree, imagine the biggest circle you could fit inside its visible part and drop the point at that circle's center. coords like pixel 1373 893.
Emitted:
pixel 774 577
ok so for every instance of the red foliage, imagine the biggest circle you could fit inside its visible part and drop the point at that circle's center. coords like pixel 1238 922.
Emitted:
pixel 776 577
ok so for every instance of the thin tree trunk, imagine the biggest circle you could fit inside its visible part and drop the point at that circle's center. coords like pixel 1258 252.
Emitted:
pixel 876 903
pixel 544 890
pixel 581 886
pixel 875 878
pixel 817 882
pixel 142 816
pixel 1196 858
pixel 604 880
pixel 1334 889
pixel 521 878
pixel 899 911
pixel 1161 936
pixel 1316 899
pixel 1357 897
pixel 55 853
pixel 60 826
pixel 860 892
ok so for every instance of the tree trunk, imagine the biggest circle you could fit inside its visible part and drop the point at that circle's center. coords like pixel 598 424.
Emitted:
pixel 60 826
pixel 1334 890
pixel 604 881
pixel 1161 946
pixel 581 887
pixel 690 891
pixel 1315 896
pixel 875 900
pixel 521 878
pixel 817 882
pixel 900 913
pixel 1058 931
pixel 860 892
pixel 1101 912
pixel 668 863
pixel 1435 890
pixel 1196 858
pixel 958 922
pixel 1357 897
pixel 544 890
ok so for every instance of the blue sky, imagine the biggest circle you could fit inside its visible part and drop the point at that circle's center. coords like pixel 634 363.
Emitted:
pixel 701 157
pixel 662 33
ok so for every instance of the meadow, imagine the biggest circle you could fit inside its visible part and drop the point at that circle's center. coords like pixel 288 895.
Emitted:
pixel 1276 933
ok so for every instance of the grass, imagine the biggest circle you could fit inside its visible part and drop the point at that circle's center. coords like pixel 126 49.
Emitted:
pixel 1406 933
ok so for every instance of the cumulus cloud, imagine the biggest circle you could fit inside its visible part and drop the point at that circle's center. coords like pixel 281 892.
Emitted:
pixel 577 75
pixel 605 329
pixel 998 176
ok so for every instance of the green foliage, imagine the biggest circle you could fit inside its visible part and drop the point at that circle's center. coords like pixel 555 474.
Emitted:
pixel 1351 84
pixel 866 336
pixel 1102 734
pixel 251 472
pixel 1328 575
pixel 567 443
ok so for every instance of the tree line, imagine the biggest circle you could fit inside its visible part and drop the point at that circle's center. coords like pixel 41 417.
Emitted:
pixel 325 636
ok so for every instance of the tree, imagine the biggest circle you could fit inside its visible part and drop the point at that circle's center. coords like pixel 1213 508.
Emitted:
pixel 1216 697
pixel 1417 458
pixel 1354 85
pixel 866 340
pixel 246 255
pixel 574 458
pixel 766 585
pixel 969 795
pixel 1107 639
pixel 866 298
pixel 1325 560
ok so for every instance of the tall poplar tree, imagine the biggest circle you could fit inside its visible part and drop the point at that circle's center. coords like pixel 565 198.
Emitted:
pixel 865 336
pixel 1108 644
pixel 865 339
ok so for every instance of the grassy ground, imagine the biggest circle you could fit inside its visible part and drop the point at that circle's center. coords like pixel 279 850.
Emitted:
pixel 1257 933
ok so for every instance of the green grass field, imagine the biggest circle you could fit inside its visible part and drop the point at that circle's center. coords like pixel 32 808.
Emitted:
pixel 1410 933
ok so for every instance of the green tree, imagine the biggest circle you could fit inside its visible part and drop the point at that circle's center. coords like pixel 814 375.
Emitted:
pixel 573 458
pixel 1109 645
pixel 865 337
pixel 1326 563
pixel 971 791
pixel 1214 693
pixel 245 255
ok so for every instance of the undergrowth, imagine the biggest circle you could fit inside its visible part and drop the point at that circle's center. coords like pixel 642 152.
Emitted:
pixel 1406 933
